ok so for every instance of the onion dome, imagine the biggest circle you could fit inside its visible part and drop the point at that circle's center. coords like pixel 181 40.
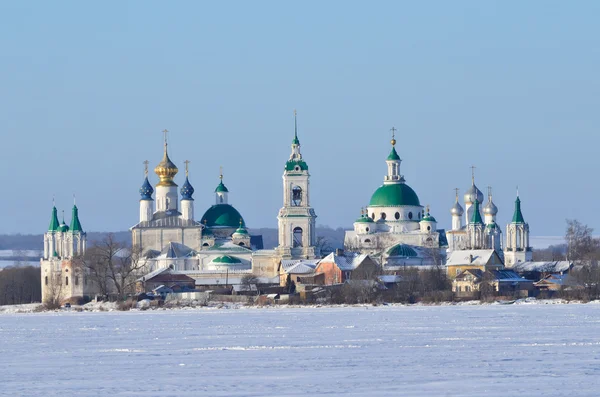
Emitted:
pixel 166 170
pixel 473 194
pixel 490 208
pixel 428 218
pixel 187 190
pixel 457 209
pixel 146 190
pixel 364 217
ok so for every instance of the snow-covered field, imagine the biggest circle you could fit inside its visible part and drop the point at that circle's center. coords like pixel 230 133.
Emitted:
pixel 502 350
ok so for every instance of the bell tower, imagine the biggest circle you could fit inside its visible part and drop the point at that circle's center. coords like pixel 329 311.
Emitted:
pixel 296 218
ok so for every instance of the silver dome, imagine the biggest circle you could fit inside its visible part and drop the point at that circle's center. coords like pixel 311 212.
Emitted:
pixel 457 209
pixel 490 208
pixel 472 194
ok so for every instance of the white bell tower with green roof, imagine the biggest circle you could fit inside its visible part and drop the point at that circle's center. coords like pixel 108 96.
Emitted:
pixel 296 219
pixel 517 238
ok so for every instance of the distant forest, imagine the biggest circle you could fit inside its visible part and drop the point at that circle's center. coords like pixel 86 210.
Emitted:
pixel 332 237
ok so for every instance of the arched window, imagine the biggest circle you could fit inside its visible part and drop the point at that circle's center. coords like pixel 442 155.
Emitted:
pixel 67 280
pixel 76 280
pixel 428 228
pixel 397 215
pixel 296 196
pixel 297 237
pixel 220 199
pixel 241 244
pixel 410 215
pixel 46 280
pixel 205 245
pixel 367 229
pixel 373 216
pixel 367 240
pixel 383 216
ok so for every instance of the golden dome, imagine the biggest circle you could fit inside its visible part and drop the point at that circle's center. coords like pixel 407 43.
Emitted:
pixel 166 171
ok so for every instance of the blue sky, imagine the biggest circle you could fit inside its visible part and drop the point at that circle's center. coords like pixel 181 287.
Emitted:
pixel 87 88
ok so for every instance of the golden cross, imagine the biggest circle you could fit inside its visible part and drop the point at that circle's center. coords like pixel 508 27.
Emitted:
pixel 146 162
pixel 187 162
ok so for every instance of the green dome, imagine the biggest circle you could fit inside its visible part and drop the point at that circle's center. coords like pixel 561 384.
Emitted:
pixel 222 215
pixel 428 218
pixel 221 188
pixel 241 230
pixel 402 250
pixel 364 219
pixel 394 195
pixel 226 260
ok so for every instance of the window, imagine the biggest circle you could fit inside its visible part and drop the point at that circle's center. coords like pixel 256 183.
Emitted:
pixel 367 229
pixel 67 280
pixel 383 215
pixel 241 244
pixel 419 214
pixel 428 228
pixel 296 196
pixel 410 215
pixel 373 215
pixel 76 280
pixel 397 215
pixel 367 240
pixel 220 199
pixel 205 245
pixel 458 289
pixel 297 237
pixel 46 280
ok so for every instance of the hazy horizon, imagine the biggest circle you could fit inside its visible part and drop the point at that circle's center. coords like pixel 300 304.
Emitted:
pixel 511 88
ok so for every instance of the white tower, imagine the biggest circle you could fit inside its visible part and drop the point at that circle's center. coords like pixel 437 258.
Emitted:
pixel 187 201
pixel 296 218
pixel 146 201
pixel 517 238
pixel 457 213
pixel 166 189
pixel 221 192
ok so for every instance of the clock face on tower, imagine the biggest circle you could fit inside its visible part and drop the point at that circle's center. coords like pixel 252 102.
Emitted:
pixel 296 196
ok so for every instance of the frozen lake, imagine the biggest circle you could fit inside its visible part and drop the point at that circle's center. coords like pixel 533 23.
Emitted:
pixel 526 350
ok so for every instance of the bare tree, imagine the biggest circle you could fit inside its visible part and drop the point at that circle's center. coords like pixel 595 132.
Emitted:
pixel 113 266
pixel 323 245
pixel 581 245
pixel 54 290
pixel 248 281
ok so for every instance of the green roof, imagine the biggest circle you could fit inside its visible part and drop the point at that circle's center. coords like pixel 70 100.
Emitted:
pixel 393 195
pixel 393 155
pixel 402 250
pixel 222 215
pixel 518 215
pixel 221 188
pixel 364 219
pixel 75 224
pixel 226 260
pixel 241 230
pixel 428 218
pixel 53 221
pixel 291 165
pixel 476 217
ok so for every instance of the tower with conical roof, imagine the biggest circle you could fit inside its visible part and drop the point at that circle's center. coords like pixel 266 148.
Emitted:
pixel 517 238
pixel 166 188
pixel 297 219
pixel 187 201
pixel 475 229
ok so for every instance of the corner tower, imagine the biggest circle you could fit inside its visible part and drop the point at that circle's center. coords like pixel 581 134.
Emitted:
pixel 296 218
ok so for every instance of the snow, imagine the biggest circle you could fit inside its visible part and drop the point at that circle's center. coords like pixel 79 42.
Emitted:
pixel 459 350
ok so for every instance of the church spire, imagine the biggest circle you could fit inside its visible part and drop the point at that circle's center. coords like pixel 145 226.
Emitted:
pixel 54 224
pixel 518 215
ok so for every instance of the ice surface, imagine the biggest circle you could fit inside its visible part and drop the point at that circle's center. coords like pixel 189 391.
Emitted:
pixel 491 350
